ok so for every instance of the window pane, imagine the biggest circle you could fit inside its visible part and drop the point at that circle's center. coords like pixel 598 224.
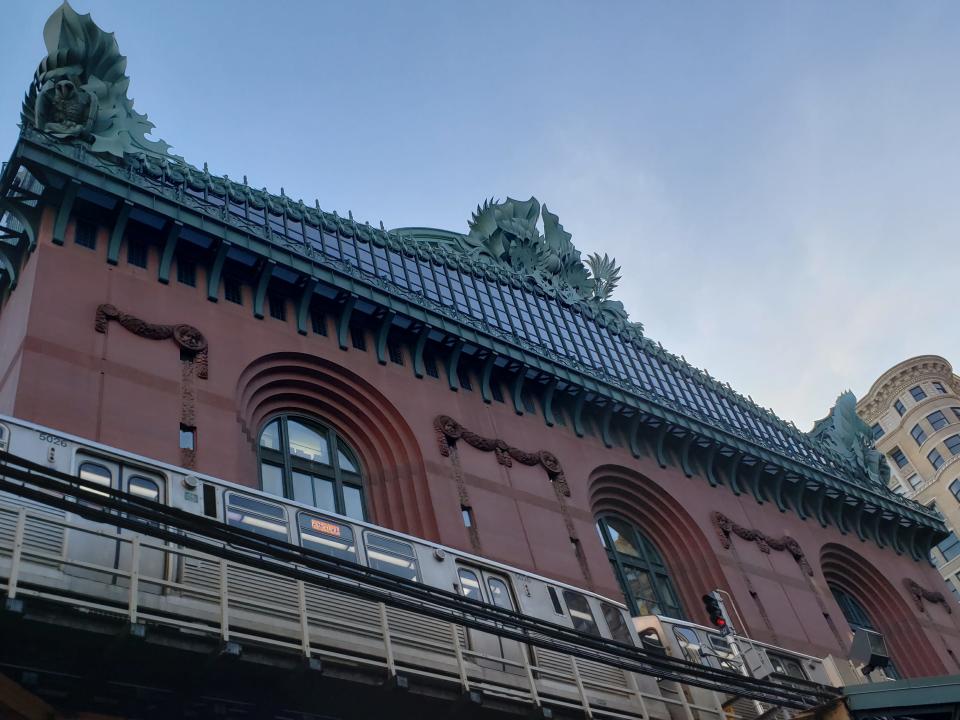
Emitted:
pixel 621 535
pixel 95 474
pixel 615 623
pixel 325 494
pixel 346 462
pixel 937 420
pixel 469 585
pixel 270 437
pixel 307 443
pixel 271 479
pixel 391 556
pixel 327 537
pixel 917 393
pixel 302 488
pixel 353 502
pixel 256 516
pixel 580 613
pixel 499 593
pixel 144 488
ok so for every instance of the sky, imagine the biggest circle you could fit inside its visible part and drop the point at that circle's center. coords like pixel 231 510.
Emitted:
pixel 780 181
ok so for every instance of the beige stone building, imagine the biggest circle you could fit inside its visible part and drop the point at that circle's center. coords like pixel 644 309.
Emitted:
pixel 914 412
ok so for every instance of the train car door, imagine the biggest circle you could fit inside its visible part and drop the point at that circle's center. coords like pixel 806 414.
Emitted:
pixel 493 589
pixel 143 486
pixel 89 542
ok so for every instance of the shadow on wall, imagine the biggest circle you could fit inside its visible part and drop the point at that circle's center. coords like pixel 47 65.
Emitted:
pixel 888 611
pixel 685 549
pixel 397 493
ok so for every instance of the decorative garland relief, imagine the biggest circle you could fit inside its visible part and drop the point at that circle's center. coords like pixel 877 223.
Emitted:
pixel 920 594
pixel 726 527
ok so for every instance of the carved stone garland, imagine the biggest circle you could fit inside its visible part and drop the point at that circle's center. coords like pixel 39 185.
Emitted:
pixel 725 527
pixel 188 338
pixel 449 431
pixel 920 594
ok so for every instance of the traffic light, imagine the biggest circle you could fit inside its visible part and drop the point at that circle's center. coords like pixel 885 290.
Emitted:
pixel 715 612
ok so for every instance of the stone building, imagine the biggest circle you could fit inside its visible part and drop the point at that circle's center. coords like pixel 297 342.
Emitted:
pixel 480 387
pixel 913 410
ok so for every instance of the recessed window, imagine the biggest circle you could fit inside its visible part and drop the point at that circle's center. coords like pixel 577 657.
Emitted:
pixel 914 481
pixel 396 355
pixel 900 407
pixel 85 234
pixel 918 434
pixel 278 307
pixel 318 323
pixel 186 272
pixel 137 253
pixel 917 392
pixel 430 364
pixel 231 291
pixel 467 514
pixel 955 489
pixel 308 462
pixel 358 338
pixel 937 420
pixel 940 388
pixel 528 402
pixel 936 459
pixel 898 457
pixel 496 391
pixel 463 375
pixel 953 444
pixel 876 431
pixel 188 437
pixel 639 568
pixel 956 411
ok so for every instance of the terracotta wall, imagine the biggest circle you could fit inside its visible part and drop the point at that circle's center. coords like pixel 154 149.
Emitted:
pixel 128 391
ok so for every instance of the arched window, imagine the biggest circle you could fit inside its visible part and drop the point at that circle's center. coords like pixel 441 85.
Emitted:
pixel 857 617
pixel 308 462
pixel 641 572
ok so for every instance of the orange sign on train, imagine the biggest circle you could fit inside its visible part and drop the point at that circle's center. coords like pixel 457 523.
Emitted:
pixel 326 528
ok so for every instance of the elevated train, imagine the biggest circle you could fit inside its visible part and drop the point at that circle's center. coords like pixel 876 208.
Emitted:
pixel 52 554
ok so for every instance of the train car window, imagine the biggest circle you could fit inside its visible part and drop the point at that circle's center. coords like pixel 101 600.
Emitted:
pixel 689 643
pixel 327 537
pixel 143 488
pixel 257 516
pixel 499 593
pixel 469 584
pixel 557 608
pixel 95 474
pixel 391 556
pixel 580 613
pixel 613 616
pixel 4 435
pixel 787 666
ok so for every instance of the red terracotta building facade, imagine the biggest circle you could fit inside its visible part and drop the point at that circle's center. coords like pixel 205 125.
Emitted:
pixel 143 311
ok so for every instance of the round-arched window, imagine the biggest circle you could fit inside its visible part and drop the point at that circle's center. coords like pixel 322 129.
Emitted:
pixel 857 617
pixel 640 570
pixel 308 462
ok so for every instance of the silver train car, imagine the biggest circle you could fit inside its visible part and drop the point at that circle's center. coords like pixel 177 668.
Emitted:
pixel 55 555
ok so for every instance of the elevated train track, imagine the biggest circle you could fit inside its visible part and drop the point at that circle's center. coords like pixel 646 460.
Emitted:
pixel 24 478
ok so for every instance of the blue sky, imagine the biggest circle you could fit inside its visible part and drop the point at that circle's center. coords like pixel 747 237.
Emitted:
pixel 779 180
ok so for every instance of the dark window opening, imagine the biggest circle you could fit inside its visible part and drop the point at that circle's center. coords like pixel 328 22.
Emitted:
pixel 209 500
pixel 430 364
pixel 463 377
pixel 318 323
pixel 528 402
pixel 85 234
pixel 555 600
pixel 467 514
pixel 186 272
pixel 496 391
pixel 188 437
pixel 136 253
pixel 396 355
pixel 278 307
pixel 358 338
pixel 231 291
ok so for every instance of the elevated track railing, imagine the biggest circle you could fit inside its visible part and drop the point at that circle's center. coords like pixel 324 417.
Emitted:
pixel 158 528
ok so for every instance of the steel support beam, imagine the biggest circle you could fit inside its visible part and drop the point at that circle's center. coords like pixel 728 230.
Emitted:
pixel 418 369
pixel 343 322
pixel 605 426
pixel 64 210
pixel 303 304
pixel 260 292
pixel 453 362
pixel 546 400
pixel 486 372
pixel 169 247
pixel 383 334
pixel 116 235
pixel 215 271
